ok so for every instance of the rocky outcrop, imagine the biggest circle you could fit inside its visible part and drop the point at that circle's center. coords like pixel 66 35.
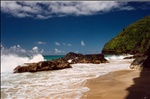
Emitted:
pixel 43 66
pixel 137 63
pixel 89 58
pixel 142 63
pixel 61 63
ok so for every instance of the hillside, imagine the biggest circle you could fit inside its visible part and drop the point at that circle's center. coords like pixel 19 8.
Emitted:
pixel 133 39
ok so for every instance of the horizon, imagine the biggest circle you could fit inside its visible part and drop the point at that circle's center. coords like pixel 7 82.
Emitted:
pixel 59 27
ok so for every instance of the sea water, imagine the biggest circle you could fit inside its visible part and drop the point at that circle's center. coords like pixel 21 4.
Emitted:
pixel 58 84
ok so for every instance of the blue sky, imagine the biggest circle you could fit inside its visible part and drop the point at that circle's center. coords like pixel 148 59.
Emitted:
pixel 60 27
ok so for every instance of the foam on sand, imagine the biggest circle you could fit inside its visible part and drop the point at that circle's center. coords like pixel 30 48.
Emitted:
pixel 56 84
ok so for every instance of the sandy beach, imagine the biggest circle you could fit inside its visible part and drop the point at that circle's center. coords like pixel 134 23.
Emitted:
pixel 123 84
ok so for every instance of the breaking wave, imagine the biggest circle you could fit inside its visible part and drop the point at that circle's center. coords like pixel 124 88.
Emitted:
pixel 12 57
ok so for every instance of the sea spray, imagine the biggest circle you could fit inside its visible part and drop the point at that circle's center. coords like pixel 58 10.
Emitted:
pixel 14 56
pixel 10 61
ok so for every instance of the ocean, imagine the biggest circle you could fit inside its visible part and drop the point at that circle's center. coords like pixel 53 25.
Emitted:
pixel 58 84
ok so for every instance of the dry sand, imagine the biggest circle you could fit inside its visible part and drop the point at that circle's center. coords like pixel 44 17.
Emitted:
pixel 124 84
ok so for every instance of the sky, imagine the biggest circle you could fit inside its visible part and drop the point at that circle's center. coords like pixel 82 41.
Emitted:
pixel 59 27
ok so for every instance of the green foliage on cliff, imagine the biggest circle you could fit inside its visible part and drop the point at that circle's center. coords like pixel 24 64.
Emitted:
pixel 135 38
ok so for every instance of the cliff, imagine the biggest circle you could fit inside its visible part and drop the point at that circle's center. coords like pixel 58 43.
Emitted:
pixel 133 39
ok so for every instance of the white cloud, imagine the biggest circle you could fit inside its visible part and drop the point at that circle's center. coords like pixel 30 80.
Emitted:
pixel 13 50
pixel 42 51
pixel 39 42
pixel 82 43
pixel 48 9
pixel 64 43
pixel 69 45
pixel 2 47
pixel 35 49
pixel 18 50
pixel 76 51
pixel 57 51
pixel 57 43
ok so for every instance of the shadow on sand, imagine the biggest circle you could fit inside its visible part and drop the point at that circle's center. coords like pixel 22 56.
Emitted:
pixel 141 87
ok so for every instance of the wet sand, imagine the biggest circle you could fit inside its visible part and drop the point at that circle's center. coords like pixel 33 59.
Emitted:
pixel 124 84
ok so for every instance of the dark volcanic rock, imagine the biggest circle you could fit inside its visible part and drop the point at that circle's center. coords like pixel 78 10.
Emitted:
pixel 142 63
pixel 89 58
pixel 137 63
pixel 43 66
pixel 61 63
pixel 72 55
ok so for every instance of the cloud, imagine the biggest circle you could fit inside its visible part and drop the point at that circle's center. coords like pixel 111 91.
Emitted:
pixel 82 43
pixel 13 50
pixel 48 9
pixel 42 51
pixel 57 51
pixel 76 51
pixel 35 49
pixel 40 43
pixel 57 43
pixel 18 50
pixel 144 5
pixel 64 43
pixel 69 45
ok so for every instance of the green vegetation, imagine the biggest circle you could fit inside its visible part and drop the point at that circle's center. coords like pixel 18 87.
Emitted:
pixel 133 39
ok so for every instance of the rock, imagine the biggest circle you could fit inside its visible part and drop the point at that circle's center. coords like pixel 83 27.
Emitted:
pixel 61 63
pixel 89 58
pixel 137 63
pixel 146 63
pixel 142 62
pixel 72 55
pixel 43 66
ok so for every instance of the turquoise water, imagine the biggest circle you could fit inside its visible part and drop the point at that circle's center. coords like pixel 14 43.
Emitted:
pixel 50 57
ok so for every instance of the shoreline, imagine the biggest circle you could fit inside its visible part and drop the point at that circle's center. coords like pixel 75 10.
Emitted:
pixel 122 84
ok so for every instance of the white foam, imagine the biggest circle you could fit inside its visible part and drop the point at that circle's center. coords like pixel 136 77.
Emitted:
pixel 56 84
pixel 115 57
pixel 70 61
pixel 14 56
pixel 10 61
pixel 36 58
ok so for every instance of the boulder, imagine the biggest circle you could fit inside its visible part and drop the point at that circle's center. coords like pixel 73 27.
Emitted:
pixel 142 62
pixel 43 66
pixel 137 63
pixel 61 63
pixel 72 55
pixel 89 58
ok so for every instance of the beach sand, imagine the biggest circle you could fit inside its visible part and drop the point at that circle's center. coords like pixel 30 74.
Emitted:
pixel 123 84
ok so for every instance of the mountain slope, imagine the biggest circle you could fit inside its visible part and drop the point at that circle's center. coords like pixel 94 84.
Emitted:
pixel 133 39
